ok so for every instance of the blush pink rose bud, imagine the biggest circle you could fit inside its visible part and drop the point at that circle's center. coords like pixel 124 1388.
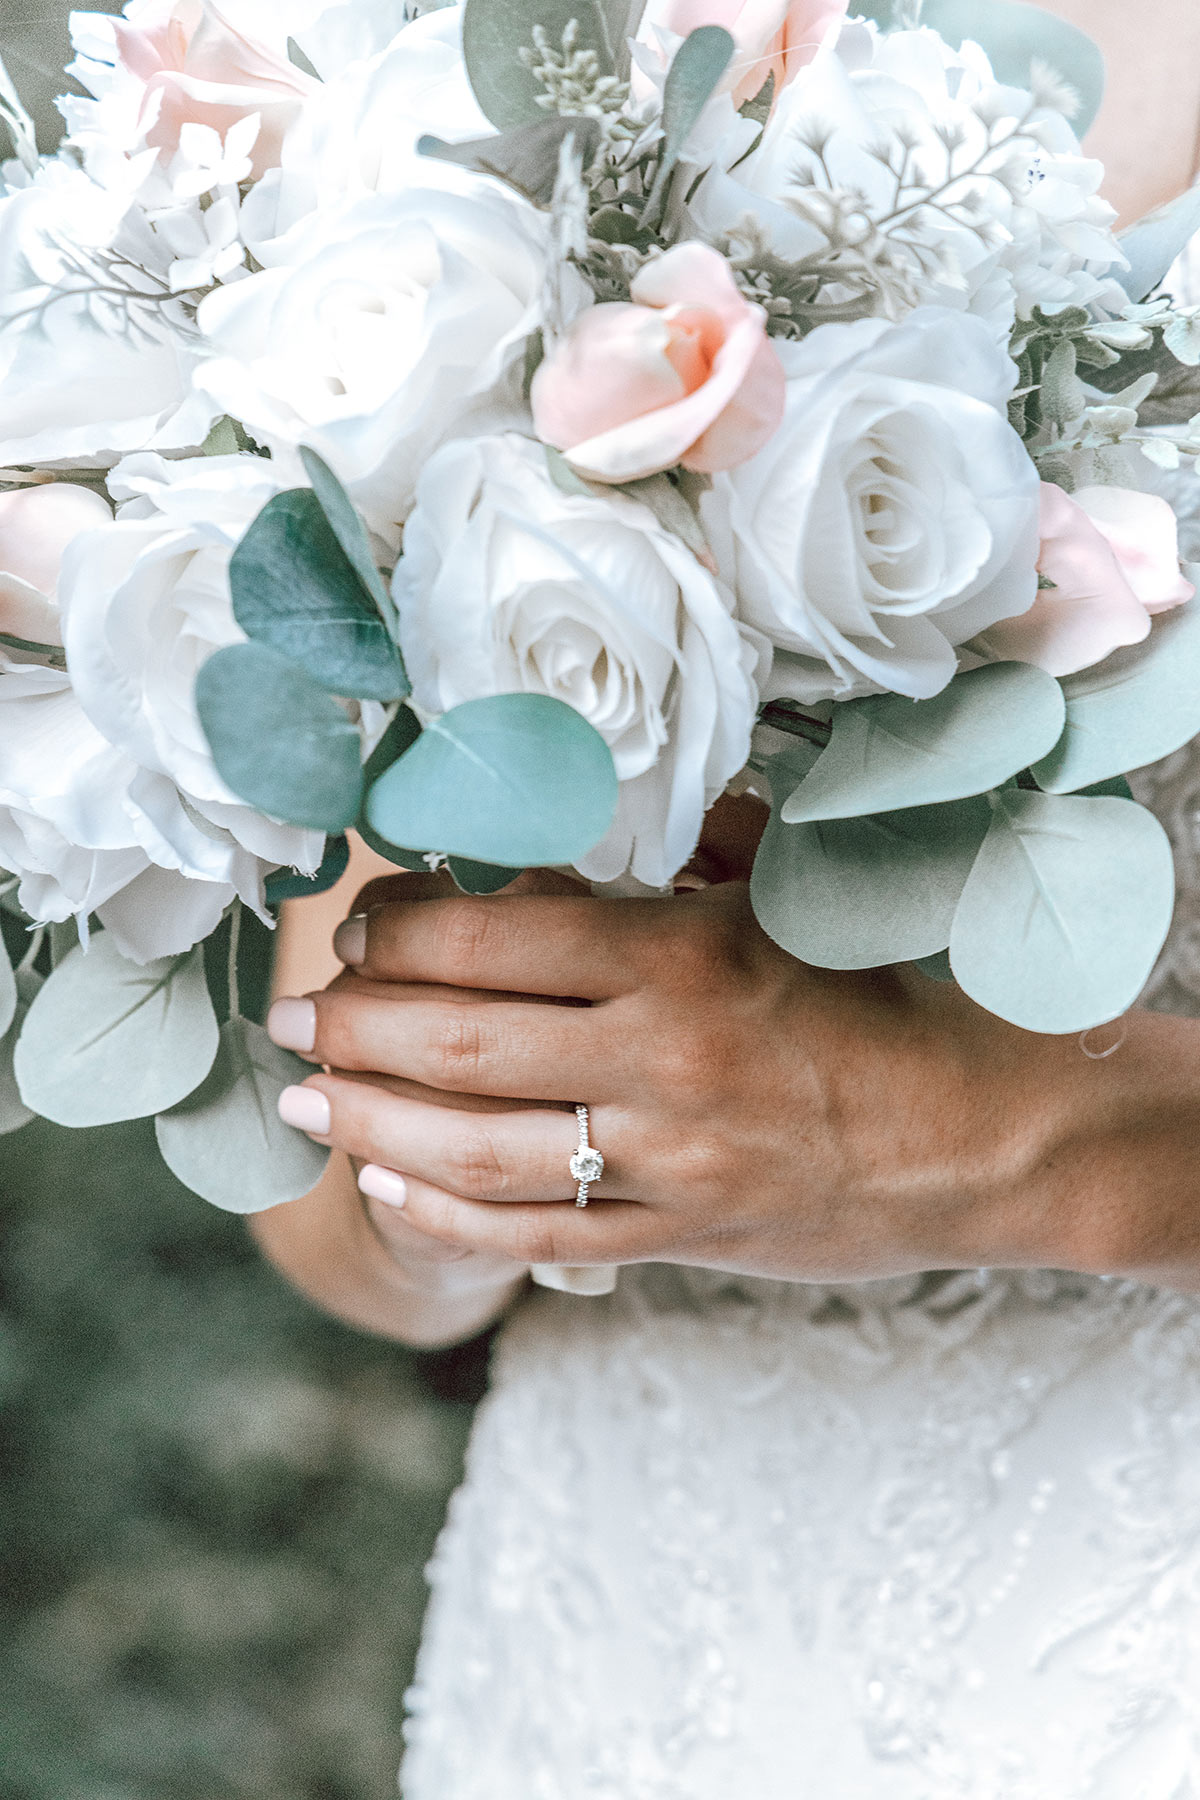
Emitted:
pixel 36 525
pixel 685 374
pixel 772 37
pixel 198 69
pixel 1113 556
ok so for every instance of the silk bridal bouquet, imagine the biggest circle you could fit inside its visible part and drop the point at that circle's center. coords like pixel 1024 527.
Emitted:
pixel 500 429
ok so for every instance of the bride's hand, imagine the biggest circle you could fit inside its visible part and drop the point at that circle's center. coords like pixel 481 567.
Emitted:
pixel 755 1114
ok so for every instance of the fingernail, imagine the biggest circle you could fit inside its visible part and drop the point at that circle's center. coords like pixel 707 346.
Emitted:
pixel 383 1184
pixel 293 1025
pixel 307 1110
pixel 350 941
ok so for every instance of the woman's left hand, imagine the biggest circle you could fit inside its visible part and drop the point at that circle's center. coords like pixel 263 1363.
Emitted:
pixel 755 1114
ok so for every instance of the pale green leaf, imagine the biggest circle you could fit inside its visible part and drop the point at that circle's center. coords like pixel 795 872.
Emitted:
pixel 1153 244
pixel 699 63
pixel 107 1039
pixel 351 534
pixel 13 1112
pixel 280 741
pixel 227 1142
pixel 520 780
pixel 525 156
pixel 496 31
pixel 887 752
pixel 1065 911
pixel 859 893
pixel 1134 708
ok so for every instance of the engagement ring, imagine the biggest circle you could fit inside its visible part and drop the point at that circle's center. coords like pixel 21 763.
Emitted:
pixel 587 1164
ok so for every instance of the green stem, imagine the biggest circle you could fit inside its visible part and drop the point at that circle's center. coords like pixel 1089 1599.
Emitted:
pixel 37 939
pixel 235 939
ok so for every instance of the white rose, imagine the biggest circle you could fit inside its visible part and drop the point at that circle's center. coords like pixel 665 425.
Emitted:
pixel 358 135
pixel 145 602
pixel 508 585
pixel 893 516
pixel 1018 219
pixel 397 315
pixel 85 378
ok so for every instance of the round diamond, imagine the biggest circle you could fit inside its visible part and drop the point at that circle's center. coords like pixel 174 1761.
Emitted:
pixel 587 1165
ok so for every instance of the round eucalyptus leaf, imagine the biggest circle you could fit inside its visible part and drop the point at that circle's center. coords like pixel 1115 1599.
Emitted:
pixel 887 752
pixel 227 1142
pixel 351 534
pixel 1065 911
pixel 279 740
pixel 13 1111
pixel 696 69
pixel 937 968
pixel 859 893
pixel 295 589
pixel 1153 244
pixel 495 32
pixel 481 878
pixel 288 884
pixel 1135 707
pixel 520 780
pixel 107 1039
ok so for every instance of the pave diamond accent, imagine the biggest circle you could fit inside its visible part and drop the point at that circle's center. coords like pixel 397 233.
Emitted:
pixel 587 1165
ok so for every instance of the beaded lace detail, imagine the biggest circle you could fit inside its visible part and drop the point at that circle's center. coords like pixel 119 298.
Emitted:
pixel 932 1539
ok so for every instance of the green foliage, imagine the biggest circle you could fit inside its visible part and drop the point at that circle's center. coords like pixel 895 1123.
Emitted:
pixel 525 156
pixel 287 885
pixel 351 535
pixel 1065 911
pixel 519 780
pixel 700 62
pixel 937 968
pixel 295 590
pixel 53 654
pixel 107 1039
pixel 887 752
pixel 1135 707
pixel 858 893
pixel 1153 244
pixel 8 990
pixel 13 1111
pixel 400 736
pixel 278 739
pixel 227 1142
pixel 480 878
pixel 1015 36
pixel 495 32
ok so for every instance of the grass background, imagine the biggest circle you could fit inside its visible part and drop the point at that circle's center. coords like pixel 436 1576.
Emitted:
pixel 215 1505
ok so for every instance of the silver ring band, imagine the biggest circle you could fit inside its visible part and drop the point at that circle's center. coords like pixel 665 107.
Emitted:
pixel 587 1164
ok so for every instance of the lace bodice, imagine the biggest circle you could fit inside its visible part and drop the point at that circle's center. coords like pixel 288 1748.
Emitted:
pixel 932 1539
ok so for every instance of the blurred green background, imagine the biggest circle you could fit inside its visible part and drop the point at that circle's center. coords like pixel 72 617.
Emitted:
pixel 215 1505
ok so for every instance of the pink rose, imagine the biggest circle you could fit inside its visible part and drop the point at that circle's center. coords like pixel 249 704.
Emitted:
pixel 198 69
pixel 773 37
pixel 1113 556
pixel 36 525
pixel 685 374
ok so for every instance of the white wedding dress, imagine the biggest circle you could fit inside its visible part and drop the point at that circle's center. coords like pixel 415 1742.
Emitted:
pixel 923 1539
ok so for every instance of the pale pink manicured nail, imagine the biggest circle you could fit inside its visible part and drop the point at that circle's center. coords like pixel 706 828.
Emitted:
pixel 350 941
pixel 307 1110
pixel 383 1184
pixel 293 1025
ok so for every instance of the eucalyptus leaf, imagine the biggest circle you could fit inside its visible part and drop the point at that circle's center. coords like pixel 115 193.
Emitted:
pixel 8 990
pixel 937 968
pixel 295 590
pixel 699 63
pixel 351 535
pixel 107 1039
pixel 1137 706
pixel 279 740
pixel 1065 911
pixel 496 31
pixel 887 752
pixel 859 893
pixel 1015 35
pixel 1153 244
pixel 480 878
pixel 288 884
pixel 14 1114
pixel 525 156
pixel 400 736
pixel 227 1142
pixel 521 780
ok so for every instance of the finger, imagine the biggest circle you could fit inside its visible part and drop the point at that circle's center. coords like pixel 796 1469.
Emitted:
pixel 511 1157
pixel 605 1231
pixel 405 885
pixel 518 1051
pixel 564 945
pixel 434 1266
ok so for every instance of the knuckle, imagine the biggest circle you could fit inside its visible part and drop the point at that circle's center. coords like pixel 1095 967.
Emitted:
pixel 465 938
pixel 476 1167
pixel 536 1241
pixel 460 1047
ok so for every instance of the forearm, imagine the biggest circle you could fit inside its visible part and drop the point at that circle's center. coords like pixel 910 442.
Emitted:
pixel 327 1247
